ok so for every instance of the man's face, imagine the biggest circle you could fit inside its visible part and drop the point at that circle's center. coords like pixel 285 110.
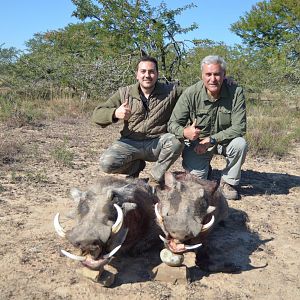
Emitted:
pixel 213 77
pixel 147 75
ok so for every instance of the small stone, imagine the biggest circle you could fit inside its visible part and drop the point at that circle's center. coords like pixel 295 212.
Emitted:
pixel 170 258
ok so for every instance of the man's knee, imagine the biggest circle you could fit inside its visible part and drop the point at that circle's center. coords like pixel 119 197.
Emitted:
pixel 239 144
pixel 107 163
pixel 172 144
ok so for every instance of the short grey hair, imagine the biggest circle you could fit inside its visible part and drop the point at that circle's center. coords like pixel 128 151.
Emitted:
pixel 214 59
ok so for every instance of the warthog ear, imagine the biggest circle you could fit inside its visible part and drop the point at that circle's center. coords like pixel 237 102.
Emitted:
pixel 125 191
pixel 77 194
pixel 109 195
pixel 171 182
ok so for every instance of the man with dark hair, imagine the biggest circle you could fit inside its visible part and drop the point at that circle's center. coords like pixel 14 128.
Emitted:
pixel 145 108
pixel 215 112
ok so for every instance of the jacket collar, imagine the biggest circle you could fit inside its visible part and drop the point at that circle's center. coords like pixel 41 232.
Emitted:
pixel 135 92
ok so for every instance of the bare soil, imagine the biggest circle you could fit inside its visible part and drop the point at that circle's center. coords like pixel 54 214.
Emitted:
pixel 35 185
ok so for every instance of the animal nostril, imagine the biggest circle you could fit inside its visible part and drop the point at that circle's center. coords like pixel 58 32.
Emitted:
pixel 77 244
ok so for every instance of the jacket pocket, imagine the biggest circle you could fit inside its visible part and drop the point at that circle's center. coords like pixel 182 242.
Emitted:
pixel 224 117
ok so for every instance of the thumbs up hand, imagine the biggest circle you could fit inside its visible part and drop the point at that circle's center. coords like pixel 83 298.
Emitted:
pixel 123 111
pixel 191 132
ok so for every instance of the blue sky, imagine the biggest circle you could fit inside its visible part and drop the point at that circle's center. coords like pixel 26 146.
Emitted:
pixel 20 19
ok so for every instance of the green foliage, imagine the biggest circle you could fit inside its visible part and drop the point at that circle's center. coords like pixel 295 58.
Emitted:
pixel 93 58
pixel 136 27
pixel 272 29
pixel 271 23
pixel 192 71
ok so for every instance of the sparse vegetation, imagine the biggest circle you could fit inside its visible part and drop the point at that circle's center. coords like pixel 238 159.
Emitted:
pixel 62 155
pixel 36 177
pixel 10 151
pixel 272 128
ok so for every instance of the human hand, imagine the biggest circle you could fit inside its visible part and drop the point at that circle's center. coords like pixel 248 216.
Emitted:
pixel 191 132
pixel 202 146
pixel 123 112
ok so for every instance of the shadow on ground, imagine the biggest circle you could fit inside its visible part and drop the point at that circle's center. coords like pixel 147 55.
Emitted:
pixel 264 183
pixel 229 247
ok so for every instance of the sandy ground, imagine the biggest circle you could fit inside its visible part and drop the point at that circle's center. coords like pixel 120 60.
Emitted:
pixel 34 186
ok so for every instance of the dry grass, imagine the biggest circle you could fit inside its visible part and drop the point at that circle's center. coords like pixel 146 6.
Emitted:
pixel 10 151
pixel 273 122
pixel 272 128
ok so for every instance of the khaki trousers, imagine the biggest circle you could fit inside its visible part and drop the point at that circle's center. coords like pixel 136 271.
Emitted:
pixel 125 155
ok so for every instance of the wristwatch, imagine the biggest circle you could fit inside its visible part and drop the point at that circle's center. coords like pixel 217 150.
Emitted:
pixel 212 141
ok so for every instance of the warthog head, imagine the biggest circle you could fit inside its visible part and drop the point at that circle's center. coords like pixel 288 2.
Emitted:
pixel 187 211
pixel 110 214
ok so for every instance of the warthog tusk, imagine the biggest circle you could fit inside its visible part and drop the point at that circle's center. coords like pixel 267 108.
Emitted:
pixel 83 258
pixel 60 231
pixel 118 224
pixel 186 247
pixel 160 219
pixel 210 209
pixel 73 256
pixel 158 216
pixel 190 247
pixel 163 239
pixel 111 253
pixel 206 226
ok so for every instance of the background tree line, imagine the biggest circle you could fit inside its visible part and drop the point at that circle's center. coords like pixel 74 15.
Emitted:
pixel 95 56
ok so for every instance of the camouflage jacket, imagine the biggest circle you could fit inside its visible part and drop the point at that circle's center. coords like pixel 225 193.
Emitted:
pixel 223 119
pixel 146 121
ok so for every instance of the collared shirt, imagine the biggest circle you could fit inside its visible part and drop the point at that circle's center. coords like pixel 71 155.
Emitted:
pixel 223 119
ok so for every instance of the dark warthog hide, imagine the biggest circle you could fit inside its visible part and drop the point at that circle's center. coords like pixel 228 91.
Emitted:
pixel 188 209
pixel 113 214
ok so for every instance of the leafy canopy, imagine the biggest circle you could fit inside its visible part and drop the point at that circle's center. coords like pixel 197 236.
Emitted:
pixel 136 27
pixel 271 23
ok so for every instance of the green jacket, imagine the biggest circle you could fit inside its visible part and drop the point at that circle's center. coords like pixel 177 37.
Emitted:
pixel 142 124
pixel 224 119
